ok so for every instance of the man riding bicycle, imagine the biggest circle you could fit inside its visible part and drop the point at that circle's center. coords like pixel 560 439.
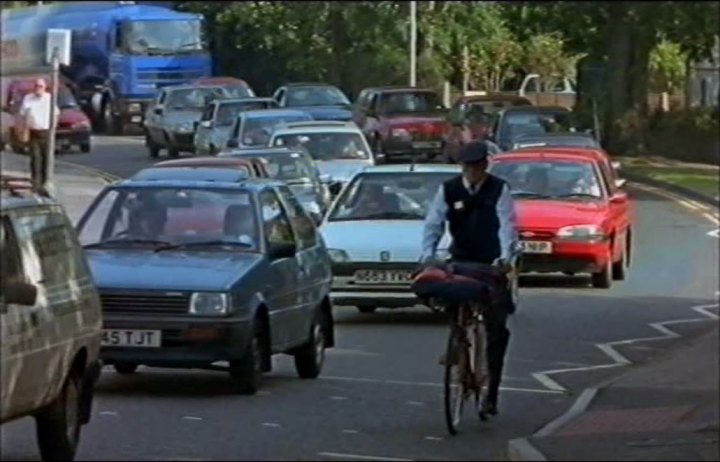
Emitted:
pixel 480 213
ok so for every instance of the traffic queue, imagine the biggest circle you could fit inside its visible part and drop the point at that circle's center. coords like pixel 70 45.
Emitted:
pixel 293 206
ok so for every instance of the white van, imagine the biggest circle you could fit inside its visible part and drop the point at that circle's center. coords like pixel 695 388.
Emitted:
pixel 50 317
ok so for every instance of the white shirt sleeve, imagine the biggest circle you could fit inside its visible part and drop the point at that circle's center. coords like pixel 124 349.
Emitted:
pixel 434 225
pixel 24 107
pixel 508 224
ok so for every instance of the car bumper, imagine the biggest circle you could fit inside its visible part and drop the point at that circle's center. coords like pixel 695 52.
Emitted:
pixel 397 148
pixel 346 292
pixel 72 137
pixel 182 141
pixel 184 342
pixel 568 257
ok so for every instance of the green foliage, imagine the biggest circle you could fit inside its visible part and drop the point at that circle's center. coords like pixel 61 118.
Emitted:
pixel 667 67
pixel 545 54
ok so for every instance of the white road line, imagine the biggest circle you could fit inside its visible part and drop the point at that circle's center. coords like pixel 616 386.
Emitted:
pixel 271 425
pixel 108 413
pixel 361 457
pixel 433 438
pixel 351 432
pixel 189 417
pixel 263 393
pixel 338 398
pixel 415 403
pixel 428 384
pixel 687 203
pixel 619 360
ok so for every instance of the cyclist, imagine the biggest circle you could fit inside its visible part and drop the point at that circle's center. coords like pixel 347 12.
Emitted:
pixel 480 213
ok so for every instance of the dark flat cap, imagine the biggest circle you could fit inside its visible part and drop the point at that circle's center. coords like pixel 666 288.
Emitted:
pixel 474 151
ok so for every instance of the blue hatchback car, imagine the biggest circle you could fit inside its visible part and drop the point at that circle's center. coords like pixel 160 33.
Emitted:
pixel 200 270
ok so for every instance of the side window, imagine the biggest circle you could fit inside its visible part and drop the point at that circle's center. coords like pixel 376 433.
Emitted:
pixel 276 224
pixel 53 255
pixel 11 268
pixel 279 95
pixel 301 222
pixel 608 177
pixel 373 105
pixel 161 98
pixel 208 113
pixel 93 230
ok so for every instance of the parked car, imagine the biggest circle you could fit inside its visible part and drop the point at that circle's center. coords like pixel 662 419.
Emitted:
pixel 252 129
pixel 216 123
pixel 569 139
pixel 206 269
pixel 320 100
pixel 471 118
pixel 253 167
pixel 295 167
pixel 401 122
pixel 73 129
pixel 237 88
pixel 51 321
pixel 514 122
pixel 572 218
pixel 170 119
pixel 373 231
pixel 338 150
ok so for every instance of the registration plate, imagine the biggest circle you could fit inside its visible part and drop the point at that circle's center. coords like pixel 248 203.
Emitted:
pixel 382 277
pixel 426 144
pixel 537 247
pixel 131 338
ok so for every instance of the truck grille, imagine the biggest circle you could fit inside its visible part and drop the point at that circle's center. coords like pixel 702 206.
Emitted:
pixel 145 303
pixel 169 75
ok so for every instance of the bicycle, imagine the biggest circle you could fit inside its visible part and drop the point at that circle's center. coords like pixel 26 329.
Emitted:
pixel 465 361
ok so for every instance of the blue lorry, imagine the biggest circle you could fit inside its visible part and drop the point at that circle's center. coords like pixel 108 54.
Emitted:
pixel 121 53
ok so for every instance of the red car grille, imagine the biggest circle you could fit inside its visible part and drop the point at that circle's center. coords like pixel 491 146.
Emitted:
pixel 425 131
pixel 536 234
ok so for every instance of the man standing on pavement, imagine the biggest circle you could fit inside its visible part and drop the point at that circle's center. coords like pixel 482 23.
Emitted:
pixel 480 212
pixel 35 111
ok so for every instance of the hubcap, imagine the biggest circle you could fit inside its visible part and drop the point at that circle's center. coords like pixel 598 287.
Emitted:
pixel 257 356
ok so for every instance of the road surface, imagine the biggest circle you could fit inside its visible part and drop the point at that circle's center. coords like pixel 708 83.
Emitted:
pixel 379 396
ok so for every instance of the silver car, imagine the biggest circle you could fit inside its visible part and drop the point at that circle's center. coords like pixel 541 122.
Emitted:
pixel 217 121
pixel 252 129
pixel 170 119
pixel 373 231
pixel 338 148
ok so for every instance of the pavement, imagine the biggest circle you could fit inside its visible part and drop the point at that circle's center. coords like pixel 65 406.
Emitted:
pixel 379 396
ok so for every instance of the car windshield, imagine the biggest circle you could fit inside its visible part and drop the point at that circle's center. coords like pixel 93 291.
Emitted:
pixel 192 98
pixel 256 131
pixel 315 96
pixel 388 196
pixel 327 146
pixel 550 179
pixel 292 167
pixel 66 100
pixel 165 37
pixel 572 141
pixel 518 124
pixel 409 102
pixel 162 217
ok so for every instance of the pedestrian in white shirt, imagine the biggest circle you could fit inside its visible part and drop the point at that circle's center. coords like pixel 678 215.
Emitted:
pixel 35 111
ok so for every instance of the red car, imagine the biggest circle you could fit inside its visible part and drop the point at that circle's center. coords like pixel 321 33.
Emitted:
pixel 73 125
pixel 572 217
pixel 400 122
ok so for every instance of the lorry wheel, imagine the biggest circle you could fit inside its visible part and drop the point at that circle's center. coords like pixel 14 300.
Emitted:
pixel 310 357
pixel 58 425
pixel 246 373
pixel 85 147
pixel 125 368
pixel 111 124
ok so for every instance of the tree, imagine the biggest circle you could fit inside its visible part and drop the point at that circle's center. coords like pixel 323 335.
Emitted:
pixel 667 68
pixel 545 55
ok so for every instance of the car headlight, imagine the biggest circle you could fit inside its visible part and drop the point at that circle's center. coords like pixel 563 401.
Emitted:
pixel 399 133
pixel 338 256
pixel 134 107
pixel 582 232
pixel 209 303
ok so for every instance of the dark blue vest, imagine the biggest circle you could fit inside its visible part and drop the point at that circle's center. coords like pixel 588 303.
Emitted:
pixel 473 220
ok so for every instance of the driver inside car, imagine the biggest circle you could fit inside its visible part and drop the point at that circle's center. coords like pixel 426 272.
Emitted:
pixel 146 222
pixel 239 224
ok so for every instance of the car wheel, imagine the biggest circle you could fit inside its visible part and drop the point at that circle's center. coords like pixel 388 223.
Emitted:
pixel 367 309
pixel 125 368
pixel 153 149
pixel 58 425
pixel 309 358
pixel 603 279
pixel 85 147
pixel 246 373
pixel 619 268
pixel 213 151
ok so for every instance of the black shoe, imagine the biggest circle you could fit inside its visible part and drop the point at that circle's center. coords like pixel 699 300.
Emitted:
pixel 488 408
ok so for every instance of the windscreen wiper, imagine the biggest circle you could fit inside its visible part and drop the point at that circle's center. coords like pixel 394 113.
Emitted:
pixel 203 244
pixel 530 195
pixel 126 241
pixel 580 195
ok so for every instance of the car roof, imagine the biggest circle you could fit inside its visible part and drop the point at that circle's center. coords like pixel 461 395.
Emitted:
pixel 263 113
pixel 579 150
pixel 249 99
pixel 410 168
pixel 319 123
pixel 271 152
pixel 220 81
pixel 287 129
pixel 208 178
pixel 536 109
pixel 186 86
pixel 207 161
pixel 307 84
pixel 188 173
pixel 494 98
pixel 534 154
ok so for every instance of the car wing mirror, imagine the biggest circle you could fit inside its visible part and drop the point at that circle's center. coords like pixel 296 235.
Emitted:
pixel 206 124
pixel 277 251
pixel 20 293
pixel 335 188
pixel 620 182
pixel 158 110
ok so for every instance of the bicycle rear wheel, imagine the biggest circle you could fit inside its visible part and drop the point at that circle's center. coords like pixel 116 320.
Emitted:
pixel 454 390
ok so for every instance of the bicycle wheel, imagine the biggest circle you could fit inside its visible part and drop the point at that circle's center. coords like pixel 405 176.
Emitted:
pixel 454 389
